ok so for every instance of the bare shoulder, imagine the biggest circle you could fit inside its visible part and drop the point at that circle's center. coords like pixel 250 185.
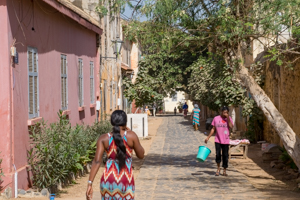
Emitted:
pixel 131 134
pixel 103 138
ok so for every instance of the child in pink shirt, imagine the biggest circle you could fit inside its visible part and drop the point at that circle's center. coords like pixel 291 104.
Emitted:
pixel 222 125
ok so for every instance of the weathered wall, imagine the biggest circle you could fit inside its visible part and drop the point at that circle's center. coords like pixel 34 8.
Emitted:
pixel 5 100
pixel 240 121
pixel 109 71
pixel 282 86
pixel 54 34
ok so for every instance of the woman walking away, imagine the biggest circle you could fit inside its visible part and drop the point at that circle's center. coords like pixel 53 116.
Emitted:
pixel 221 124
pixel 195 116
pixel 117 181
pixel 185 109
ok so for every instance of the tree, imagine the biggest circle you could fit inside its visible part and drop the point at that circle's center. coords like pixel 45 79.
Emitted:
pixel 227 28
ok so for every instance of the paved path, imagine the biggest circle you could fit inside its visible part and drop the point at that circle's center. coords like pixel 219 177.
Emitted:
pixel 170 170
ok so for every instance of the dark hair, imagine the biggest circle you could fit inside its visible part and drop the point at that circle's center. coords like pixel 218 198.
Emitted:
pixel 119 118
pixel 224 108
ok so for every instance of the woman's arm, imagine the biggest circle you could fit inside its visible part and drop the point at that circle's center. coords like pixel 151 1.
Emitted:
pixel 210 134
pixel 139 150
pixel 95 167
pixel 229 121
pixel 192 114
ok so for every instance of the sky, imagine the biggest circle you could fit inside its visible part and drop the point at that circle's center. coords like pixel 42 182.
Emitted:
pixel 128 13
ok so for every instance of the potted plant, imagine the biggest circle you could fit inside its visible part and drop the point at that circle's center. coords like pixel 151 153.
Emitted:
pixel 179 107
pixel 160 110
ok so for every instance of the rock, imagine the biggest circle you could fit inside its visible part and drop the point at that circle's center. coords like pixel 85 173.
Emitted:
pixel 298 180
pixel 298 185
pixel 288 177
pixel 37 194
pixel 293 173
pixel 88 168
pixel 279 166
pixel 21 192
pixel 45 192
pixel 59 186
pixel 8 192
pixel 273 164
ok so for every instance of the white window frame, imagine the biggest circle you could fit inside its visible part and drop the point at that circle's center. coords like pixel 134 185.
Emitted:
pixel 64 76
pixel 92 82
pixel 80 80
pixel 33 74
pixel 174 97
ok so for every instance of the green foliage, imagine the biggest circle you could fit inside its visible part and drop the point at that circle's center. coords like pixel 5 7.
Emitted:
pixel 58 149
pixel 180 105
pixel 254 130
pixel 286 158
pixel 159 74
pixel 213 85
pixel 1 174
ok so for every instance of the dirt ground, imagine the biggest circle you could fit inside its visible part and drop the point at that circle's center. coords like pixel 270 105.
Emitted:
pixel 271 181
pixel 77 190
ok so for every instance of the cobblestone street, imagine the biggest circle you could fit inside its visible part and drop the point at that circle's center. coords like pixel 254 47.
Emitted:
pixel 170 170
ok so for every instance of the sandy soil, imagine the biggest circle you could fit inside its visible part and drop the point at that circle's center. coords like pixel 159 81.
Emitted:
pixel 77 191
pixel 271 181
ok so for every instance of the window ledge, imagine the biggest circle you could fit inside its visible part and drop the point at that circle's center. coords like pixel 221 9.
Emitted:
pixel 93 105
pixel 34 121
pixel 81 108
pixel 66 112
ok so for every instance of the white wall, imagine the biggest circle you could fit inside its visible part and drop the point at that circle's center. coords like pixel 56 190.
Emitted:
pixel 170 104
pixel 138 123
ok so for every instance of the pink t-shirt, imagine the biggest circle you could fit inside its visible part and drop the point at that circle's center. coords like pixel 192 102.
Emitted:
pixel 222 129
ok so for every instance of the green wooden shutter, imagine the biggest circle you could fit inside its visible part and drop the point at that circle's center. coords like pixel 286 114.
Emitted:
pixel 33 85
pixel 64 84
pixel 81 94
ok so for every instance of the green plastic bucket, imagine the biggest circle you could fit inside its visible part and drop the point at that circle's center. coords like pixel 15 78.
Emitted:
pixel 203 153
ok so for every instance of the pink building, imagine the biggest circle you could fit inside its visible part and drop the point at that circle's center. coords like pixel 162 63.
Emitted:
pixel 55 68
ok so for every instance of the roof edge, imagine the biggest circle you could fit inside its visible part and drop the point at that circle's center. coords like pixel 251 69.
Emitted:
pixel 81 17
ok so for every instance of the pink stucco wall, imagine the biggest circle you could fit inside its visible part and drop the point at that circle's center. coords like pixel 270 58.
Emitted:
pixel 54 34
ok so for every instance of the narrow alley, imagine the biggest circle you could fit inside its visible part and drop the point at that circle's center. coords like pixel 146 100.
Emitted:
pixel 171 171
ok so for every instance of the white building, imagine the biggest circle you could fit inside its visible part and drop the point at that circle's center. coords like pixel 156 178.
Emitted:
pixel 171 102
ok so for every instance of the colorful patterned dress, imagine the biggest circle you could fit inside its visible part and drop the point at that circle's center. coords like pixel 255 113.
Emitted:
pixel 196 116
pixel 117 184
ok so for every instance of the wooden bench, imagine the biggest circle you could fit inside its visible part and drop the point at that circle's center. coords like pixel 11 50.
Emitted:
pixel 238 150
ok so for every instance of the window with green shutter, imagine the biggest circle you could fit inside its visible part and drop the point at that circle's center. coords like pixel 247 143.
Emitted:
pixel 64 82
pixel 33 85
pixel 80 85
pixel 92 90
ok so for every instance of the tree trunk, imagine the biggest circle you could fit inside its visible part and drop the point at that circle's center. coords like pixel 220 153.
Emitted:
pixel 290 140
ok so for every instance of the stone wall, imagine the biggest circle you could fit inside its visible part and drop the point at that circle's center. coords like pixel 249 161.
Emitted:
pixel 282 87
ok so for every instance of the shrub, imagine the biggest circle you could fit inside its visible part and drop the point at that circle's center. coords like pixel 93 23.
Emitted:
pixel 59 149
pixel 286 158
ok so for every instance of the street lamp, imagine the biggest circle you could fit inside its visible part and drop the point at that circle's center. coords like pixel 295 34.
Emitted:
pixel 117 49
pixel 118 46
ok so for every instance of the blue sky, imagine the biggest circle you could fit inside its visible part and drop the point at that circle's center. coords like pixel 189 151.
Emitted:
pixel 128 13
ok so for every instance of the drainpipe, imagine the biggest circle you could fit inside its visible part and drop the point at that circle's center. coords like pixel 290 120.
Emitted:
pixel 16 181
pixel 11 105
